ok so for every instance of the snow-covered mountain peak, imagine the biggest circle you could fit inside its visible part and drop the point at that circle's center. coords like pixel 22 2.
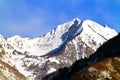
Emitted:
pixel 49 43
pixel 54 40
pixel 65 27
pixel 95 34
pixel 106 32
pixel 77 19
pixel 69 42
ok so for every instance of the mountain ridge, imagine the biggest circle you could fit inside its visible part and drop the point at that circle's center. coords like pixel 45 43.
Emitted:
pixel 67 43
pixel 68 32
pixel 103 64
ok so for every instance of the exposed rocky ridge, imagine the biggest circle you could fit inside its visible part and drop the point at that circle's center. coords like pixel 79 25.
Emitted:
pixel 102 65
pixel 69 42
pixel 8 72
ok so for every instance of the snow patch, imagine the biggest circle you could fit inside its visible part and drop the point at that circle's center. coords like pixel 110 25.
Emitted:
pixel 51 70
pixel 53 59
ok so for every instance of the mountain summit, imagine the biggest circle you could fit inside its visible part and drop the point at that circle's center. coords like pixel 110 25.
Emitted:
pixel 37 57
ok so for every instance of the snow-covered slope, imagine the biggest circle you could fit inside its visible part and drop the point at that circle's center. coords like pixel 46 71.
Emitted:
pixel 50 42
pixel 92 36
pixel 59 48
pixel 53 40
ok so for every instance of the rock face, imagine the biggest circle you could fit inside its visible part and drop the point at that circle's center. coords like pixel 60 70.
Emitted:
pixel 104 64
pixel 37 57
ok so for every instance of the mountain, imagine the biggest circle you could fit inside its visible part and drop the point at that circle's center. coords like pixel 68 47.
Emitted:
pixel 104 64
pixel 32 59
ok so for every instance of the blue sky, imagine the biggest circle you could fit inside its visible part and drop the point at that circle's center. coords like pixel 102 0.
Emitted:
pixel 31 18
